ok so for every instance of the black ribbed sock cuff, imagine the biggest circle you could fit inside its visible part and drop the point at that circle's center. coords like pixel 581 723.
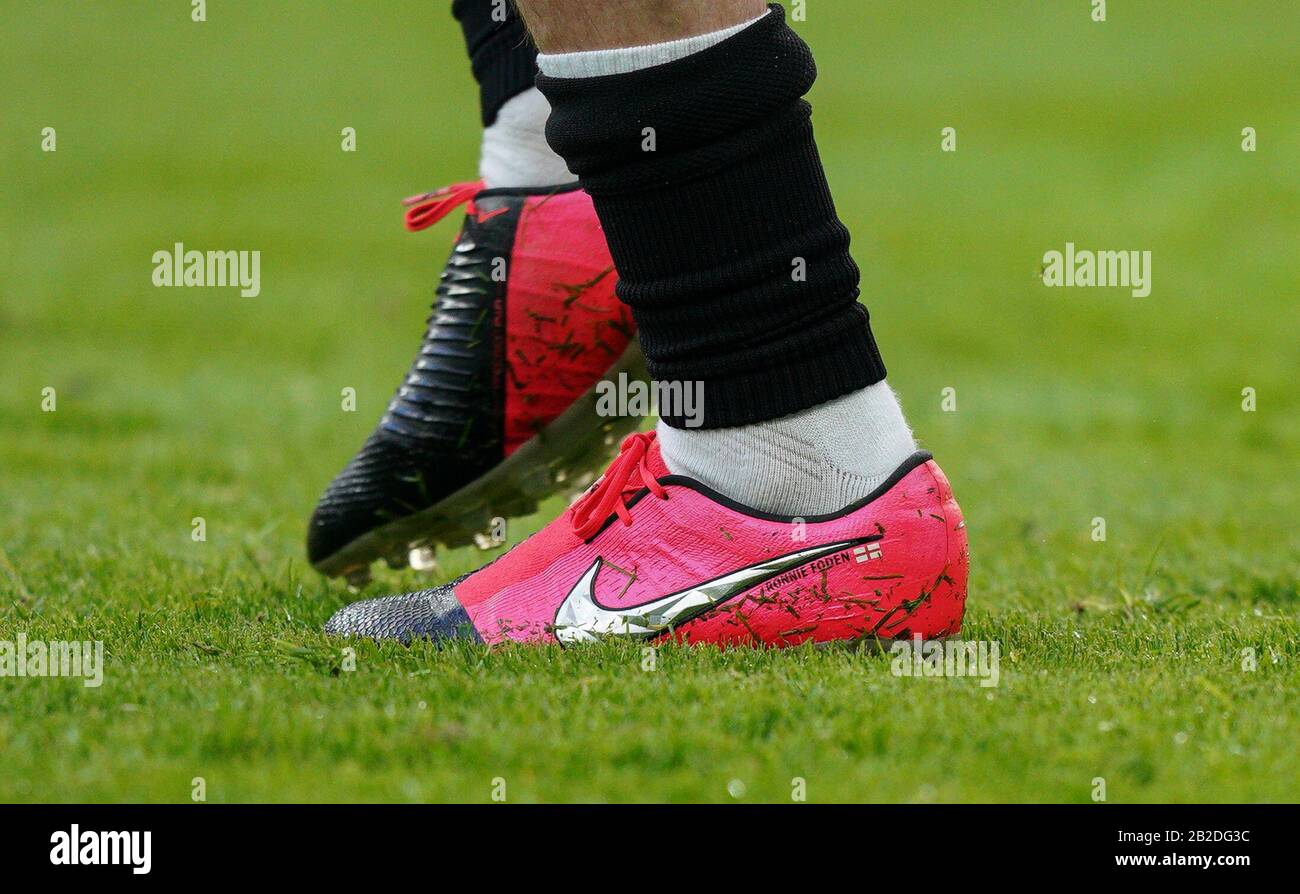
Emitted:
pixel 709 230
pixel 501 53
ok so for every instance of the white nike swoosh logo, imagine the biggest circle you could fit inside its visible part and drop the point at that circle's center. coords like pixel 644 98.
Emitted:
pixel 581 618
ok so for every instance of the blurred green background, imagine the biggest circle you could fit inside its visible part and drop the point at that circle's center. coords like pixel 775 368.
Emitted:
pixel 1122 659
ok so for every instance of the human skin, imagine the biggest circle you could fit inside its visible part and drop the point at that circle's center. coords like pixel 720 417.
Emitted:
pixel 570 26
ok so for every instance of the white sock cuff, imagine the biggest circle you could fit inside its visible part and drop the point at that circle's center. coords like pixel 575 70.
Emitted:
pixel 621 60
pixel 815 461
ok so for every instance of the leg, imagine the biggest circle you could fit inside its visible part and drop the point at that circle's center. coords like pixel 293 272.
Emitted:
pixel 492 412
pixel 570 26
pixel 798 510
pixel 705 174
pixel 504 62
pixel 503 59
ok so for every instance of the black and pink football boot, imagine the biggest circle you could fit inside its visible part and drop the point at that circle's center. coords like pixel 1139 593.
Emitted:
pixel 499 409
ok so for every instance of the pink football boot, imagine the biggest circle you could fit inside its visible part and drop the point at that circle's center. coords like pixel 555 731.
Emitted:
pixel 498 409
pixel 646 554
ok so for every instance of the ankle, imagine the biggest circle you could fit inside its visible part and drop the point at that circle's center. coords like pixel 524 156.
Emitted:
pixel 816 461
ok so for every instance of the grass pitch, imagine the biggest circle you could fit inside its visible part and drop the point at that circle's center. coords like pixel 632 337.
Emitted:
pixel 1163 660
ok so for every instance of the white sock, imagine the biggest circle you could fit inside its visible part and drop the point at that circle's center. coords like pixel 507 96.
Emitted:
pixel 515 152
pixel 621 60
pixel 812 462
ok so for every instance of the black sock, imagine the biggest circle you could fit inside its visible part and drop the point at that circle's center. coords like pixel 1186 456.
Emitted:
pixel 705 230
pixel 501 53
